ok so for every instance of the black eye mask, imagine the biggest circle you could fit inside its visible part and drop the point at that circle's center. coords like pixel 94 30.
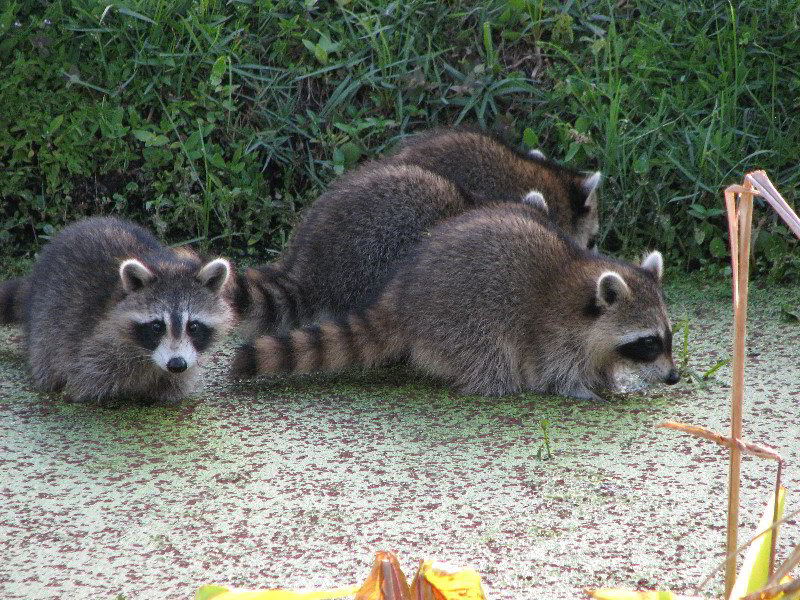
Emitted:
pixel 645 349
pixel 202 335
pixel 148 335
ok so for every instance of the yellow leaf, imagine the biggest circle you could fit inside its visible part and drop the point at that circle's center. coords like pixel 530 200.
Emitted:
pixel 287 594
pixel 611 594
pixel 437 581
pixel 755 569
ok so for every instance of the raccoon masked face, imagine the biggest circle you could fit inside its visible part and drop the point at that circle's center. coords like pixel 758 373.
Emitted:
pixel 179 322
pixel 632 318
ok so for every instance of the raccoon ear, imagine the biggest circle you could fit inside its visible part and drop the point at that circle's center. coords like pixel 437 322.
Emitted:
pixel 535 198
pixel 589 185
pixel 654 263
pixel 536 153
pixel 215 274
pixel 134 275
pixel 610 288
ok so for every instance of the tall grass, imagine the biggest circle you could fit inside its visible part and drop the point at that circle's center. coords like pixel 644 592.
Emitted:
pixel 220 121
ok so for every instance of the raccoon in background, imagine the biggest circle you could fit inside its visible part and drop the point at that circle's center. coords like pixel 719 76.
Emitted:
pixel 108 312
pixel 496 301
pixel 370 218
pixel 488 169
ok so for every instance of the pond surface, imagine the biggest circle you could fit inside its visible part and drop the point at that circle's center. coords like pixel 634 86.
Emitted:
pixel 296 483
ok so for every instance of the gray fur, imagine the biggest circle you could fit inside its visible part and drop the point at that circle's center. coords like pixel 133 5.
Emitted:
pixel 90 284
pixel 350 239
pixel 495 301
pixel 369 218
pixel 488 170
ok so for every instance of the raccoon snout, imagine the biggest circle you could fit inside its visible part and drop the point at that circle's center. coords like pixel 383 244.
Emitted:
pixel 176 364
pixel 672 377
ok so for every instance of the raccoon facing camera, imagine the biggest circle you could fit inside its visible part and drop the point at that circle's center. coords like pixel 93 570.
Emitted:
pixel 109 313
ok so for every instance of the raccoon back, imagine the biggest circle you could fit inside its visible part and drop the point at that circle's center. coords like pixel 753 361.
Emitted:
pixel 349 242
pixel 489 170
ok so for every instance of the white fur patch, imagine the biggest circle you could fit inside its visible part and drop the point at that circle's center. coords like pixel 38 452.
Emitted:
pixel 654 263
pixel 536 153
pixel 215 274
pixel 134 275
pixel 535 198
pixel 176 345
pixel 610 282
pixel 590 184
pixel 637 335
pixel 211 320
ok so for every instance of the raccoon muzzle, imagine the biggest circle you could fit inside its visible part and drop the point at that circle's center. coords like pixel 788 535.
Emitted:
pixel 672 377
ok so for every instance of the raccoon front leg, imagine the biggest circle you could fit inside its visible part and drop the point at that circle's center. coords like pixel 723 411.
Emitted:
pixel 584 393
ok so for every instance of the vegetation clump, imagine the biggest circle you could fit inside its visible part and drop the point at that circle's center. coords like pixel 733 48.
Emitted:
pixel 219 121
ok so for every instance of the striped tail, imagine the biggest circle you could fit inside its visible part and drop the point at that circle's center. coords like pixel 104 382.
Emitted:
pixel 268 297
pixel 360 339
pixel 12 300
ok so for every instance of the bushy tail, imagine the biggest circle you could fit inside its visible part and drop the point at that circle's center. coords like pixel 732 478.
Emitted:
pixel 268 297
pixel 360 339
pixel 12 300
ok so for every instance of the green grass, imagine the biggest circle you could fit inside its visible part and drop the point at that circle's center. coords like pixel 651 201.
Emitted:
pixel 220 121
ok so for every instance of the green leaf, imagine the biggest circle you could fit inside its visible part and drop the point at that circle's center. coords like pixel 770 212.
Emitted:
pixel 338 161
pixel 134 14
pixel 327 45
pixel 718 248
pixel 351 152
pixel 699 235
pixel 530 139
pixel 209 591
pixel 149 138
pixel 218 70
pixel 573 150
pixel 716 368
pixel 55 124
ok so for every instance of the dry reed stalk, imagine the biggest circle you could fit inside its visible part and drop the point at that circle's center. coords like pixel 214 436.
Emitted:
pixel 751 448
pixel 739 222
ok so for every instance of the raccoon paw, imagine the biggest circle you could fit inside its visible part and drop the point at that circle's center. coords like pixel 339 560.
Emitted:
pixel 245 363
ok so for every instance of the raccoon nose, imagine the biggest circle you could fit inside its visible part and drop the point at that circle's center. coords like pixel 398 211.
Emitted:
pixel 672 377
pixel 176 364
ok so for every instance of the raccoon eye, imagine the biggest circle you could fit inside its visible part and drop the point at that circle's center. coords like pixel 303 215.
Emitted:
pixel 202 335
pixel 645 349
pixel 148 335
pixel 592 244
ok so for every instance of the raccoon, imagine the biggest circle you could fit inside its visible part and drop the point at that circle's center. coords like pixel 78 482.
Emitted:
pixel 109 313
pixel 496 301
pixel 488 169
pixel 350 239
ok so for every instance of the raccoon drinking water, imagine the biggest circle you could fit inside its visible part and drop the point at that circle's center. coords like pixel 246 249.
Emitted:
pixel 109 313
pixel 496 301
pixel 371 217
